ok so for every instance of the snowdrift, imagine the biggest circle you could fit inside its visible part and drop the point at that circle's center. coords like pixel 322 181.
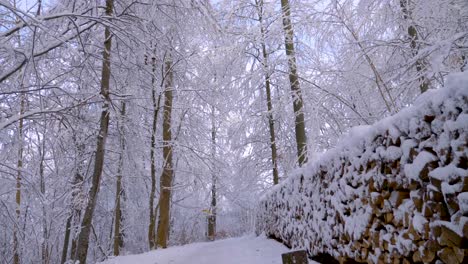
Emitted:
pixel 393 191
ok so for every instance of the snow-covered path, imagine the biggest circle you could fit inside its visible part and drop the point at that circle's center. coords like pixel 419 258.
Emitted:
pixel 246 250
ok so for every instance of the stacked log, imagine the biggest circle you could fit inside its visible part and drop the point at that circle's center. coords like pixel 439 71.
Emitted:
pixel 396 193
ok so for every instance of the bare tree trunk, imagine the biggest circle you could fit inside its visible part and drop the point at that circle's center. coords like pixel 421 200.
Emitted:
pixel 16 244
pixel 73 221
pixel 83 238
pixel 77 195
pixel 298 105
pixel 212 215
pixel 118 237
pixel 76 217
pixel 167 173
pixel 41 151
pixel 44 244
pixel 271 122
pixel 66 240
pixel 156 104
pixel 414 38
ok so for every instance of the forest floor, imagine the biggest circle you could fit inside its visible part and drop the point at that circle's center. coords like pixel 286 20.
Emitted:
pixel 246 250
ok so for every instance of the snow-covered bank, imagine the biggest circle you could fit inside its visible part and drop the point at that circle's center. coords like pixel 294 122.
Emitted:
pixel 246 250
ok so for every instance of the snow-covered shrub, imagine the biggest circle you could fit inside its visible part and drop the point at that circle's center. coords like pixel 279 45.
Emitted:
pixel 396 190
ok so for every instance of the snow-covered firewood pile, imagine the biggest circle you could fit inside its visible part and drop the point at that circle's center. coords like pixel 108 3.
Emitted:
pixel 396 190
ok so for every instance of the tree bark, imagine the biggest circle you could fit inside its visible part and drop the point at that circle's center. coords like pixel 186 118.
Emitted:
pixel 73 221
pixel 41 151
pixel 212 215
pixel 66 240
pixel 271 122
pixel 414 39
pixel 19 166
pixel 44 243
pixel 77 195
pixel 296 93
pixel 156 104
pixel 16 243
pixel 167 173
pixel 83 238
pixel 118 236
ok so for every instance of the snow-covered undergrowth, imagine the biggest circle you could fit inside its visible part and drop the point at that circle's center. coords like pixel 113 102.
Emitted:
pixel 395 190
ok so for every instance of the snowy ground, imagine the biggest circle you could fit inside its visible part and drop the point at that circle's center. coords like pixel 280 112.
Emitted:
pixel 246 250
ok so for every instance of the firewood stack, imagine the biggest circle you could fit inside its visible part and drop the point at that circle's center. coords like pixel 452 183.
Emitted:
pixel 395 192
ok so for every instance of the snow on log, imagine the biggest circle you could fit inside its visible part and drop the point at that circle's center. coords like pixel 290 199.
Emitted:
pixel 393 191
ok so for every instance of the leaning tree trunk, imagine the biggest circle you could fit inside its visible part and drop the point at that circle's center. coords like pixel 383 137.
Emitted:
pixel 83 238
pixel 271 122
pixel 167 173
pixel 298 105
